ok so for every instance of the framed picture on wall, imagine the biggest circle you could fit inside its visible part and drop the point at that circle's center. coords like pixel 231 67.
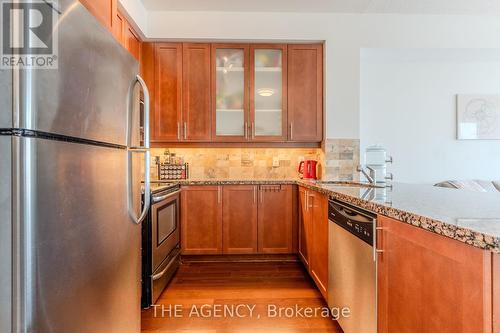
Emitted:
pixel 478 117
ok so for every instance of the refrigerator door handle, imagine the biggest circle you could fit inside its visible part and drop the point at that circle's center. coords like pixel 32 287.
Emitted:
pixel 137 219
pixel 144 149
pixel 146 111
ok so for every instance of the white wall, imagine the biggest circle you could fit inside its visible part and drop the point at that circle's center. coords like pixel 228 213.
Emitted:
pixel 408 104
pixel 345 35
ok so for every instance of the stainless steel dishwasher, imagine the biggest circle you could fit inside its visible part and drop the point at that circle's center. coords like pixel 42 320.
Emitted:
pixel 352 266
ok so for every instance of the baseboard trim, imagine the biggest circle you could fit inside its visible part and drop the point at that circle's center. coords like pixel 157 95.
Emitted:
pixel 240 258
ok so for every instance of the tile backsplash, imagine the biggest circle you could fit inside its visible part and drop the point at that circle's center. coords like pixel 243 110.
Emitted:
pixel 337 161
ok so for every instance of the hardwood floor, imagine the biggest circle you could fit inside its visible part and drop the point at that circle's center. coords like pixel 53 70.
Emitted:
pixel 254 290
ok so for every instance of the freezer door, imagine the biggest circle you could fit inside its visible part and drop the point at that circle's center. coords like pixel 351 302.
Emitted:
pixel 5 98
pixel 5 234
pixel 79 249
pixel 88 96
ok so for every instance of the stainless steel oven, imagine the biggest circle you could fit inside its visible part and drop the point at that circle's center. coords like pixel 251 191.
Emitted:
pixel 160 242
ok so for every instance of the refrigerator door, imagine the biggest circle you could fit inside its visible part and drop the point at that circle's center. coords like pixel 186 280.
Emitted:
pixel 88 96
pixel 5 98
pixel 79 266
pixel 5 234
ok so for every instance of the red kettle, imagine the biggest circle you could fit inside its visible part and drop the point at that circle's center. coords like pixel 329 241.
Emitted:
pixel 307 169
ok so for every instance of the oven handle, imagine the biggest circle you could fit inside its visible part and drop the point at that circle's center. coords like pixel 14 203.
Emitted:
pixel 166 196
pixel 160 275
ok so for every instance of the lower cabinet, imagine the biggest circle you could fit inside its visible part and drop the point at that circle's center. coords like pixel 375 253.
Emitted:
pixel 430 283
pixel 237 219
pixel 313 236
pixel 305 229
pixel 275 219
pixel 201 220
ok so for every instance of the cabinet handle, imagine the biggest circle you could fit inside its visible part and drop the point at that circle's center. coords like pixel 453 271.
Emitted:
pixel 252 133
pixel 376 251
pixel 291 130
pixel 246 130
pixel 306 200
pixel 185 130
pixel 218 195
pixel 255 194
pixel 178 131
pixel 261 195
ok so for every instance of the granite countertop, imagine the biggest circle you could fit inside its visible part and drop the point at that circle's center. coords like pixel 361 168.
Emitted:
pixel 470 217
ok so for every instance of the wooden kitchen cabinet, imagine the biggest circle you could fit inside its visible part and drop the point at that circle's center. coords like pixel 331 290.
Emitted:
pixel 305 92
pixel 119 23
pixel 239 219
pixel 167 115
pixel 431 283
pixel 319 246
pixel 236 93
pixel 230 95
pixel 126 35
pixel 313 236
pixel 275 219
pixel 103 10
pixel 201 220
pixel 305 228
pixel 268 92
pixel 132 41
pixel 196 115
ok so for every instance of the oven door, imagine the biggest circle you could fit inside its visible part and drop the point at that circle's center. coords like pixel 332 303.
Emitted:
pixel 165 227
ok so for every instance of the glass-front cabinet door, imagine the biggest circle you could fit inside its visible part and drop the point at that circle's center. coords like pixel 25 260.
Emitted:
pixel 230 102
pixel 268 93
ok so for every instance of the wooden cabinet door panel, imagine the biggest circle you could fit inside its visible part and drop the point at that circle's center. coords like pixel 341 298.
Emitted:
pixel 304 226
pixel 196 115
pixel 103 10
pixel 318 261
pixel 305 92
pixel 275 219
pixel 119 23
pixel 168 85
pixel 266 114
pixel 430 283
pixel 239 219
pixel 201 220
pixel 132 41
pixel 230 99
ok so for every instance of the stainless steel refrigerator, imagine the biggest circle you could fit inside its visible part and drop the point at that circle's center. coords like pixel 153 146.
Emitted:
pixel 71 166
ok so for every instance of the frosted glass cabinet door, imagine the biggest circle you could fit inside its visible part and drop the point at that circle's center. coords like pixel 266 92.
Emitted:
pixel 268 100
pixel 231 98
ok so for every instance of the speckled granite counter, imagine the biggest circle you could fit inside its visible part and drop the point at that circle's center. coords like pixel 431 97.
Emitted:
pixel 469 217
pixel 238 182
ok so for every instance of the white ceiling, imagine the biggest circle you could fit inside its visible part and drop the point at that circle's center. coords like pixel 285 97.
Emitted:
pixel 472 7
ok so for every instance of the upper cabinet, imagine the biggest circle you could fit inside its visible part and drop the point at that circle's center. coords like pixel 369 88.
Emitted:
pixel 107 13
pixel 196 117
pixel 237 93
pixel 305 92
pixel 104 10
pixel 132 41
pixel 167 115
pixel 230 113
pixel 268 98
